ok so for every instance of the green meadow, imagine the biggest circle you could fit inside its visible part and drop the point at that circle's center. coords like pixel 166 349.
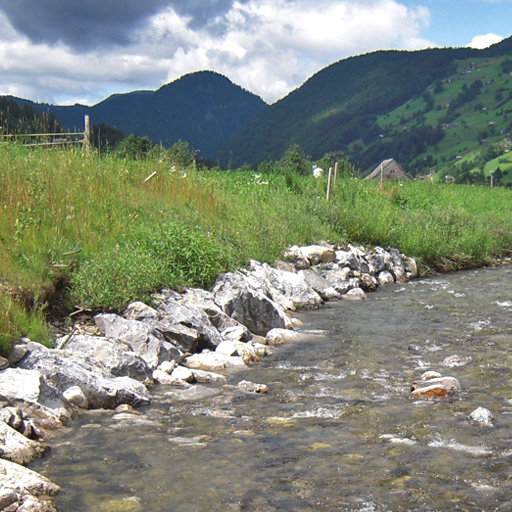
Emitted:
pixel 83 230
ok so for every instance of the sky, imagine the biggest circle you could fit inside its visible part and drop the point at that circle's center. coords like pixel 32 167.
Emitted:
pixel 82 51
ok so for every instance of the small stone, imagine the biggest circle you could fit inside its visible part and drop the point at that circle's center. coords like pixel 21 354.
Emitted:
pixel 259 349
pixel 167 366
pixel 164 378
pixel 205 377
pixel 127 408
pixel 252 387
pixel 355 294
pixel 385 277
pixel 226 347
pixel 482 415
pixel 76 396
pixel 455 360
pixel 184 374
pixel 429 375
pixel 277 336
pixel 13 416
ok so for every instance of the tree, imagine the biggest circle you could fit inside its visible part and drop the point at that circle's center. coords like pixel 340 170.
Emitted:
pixel 294 161
pixel 106 137
pixel 133 147
pixel 181 155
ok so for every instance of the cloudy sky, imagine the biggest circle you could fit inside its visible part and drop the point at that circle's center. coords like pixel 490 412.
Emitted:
pixel 68 51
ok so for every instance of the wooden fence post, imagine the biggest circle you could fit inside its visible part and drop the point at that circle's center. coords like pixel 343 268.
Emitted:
pixel 329 183
pixel 87 132
pixel 335 172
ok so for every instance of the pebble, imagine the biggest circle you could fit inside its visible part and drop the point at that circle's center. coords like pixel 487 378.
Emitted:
pixel 483 416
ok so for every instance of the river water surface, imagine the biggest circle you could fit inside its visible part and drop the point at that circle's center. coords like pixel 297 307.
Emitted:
pixel 338 429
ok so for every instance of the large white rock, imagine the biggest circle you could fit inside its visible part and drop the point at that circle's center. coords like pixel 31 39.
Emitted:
pixel 28 390
pixel 17 448
pixel 114 357
pixel 248 305
pixel 208 360
pixel 102 390
pixel 143 339
pixel 26 488
pixel 289 289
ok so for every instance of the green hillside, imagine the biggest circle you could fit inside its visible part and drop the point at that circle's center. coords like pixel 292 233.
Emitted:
pixel 427 109
pixel 466 115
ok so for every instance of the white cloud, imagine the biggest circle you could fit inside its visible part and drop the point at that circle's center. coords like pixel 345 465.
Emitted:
pixel 267 46
pixel 270 46
pixel 481 42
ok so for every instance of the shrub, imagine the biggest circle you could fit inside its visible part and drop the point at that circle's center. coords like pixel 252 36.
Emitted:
pixel 151 257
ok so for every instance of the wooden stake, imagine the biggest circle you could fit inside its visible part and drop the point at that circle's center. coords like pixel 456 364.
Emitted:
pixel 87 132
pixel 329 183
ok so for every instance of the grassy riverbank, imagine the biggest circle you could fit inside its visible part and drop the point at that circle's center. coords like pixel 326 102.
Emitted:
pixel 97 231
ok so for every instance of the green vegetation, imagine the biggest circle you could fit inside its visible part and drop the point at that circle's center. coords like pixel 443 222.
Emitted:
pixel 97 231
pixel 426 109
pixel 24 119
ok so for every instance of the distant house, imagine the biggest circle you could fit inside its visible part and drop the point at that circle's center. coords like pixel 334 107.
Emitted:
pixel 388 170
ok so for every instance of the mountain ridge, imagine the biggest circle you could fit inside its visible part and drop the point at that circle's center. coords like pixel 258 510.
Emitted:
pixel 424 108
pixel 203 108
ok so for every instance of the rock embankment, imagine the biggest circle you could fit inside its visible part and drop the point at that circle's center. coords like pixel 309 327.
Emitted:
pixel 181 339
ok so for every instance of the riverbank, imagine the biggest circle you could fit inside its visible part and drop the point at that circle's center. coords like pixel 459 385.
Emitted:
pixel 181 340
pixel 86 231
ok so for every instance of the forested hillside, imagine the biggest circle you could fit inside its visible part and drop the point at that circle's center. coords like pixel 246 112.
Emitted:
pixel 205 108
pixel 16 119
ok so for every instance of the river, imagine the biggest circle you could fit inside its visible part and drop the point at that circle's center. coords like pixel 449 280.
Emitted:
pixel 338 429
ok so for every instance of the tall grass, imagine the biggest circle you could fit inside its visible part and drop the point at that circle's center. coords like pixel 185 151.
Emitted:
pixel 98 231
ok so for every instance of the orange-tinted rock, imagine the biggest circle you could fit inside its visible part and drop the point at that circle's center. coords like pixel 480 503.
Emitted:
pixel 430 392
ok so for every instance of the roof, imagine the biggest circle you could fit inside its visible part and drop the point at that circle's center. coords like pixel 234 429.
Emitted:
pixel 388 170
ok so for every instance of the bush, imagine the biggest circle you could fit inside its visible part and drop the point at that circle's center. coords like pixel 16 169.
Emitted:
pixel 149 258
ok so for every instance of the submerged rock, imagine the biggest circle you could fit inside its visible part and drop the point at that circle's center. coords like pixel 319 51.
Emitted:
pixel 252 387
pixel 456 360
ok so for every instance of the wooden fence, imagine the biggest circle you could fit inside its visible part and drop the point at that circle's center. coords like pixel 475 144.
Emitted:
pixel 54 139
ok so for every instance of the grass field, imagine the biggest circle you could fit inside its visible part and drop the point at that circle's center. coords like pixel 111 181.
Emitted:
pixel 82 230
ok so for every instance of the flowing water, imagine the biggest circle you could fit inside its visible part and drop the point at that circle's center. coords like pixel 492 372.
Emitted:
pixel 338 430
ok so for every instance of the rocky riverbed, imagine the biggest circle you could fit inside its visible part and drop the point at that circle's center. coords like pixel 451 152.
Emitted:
pixel 181 339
